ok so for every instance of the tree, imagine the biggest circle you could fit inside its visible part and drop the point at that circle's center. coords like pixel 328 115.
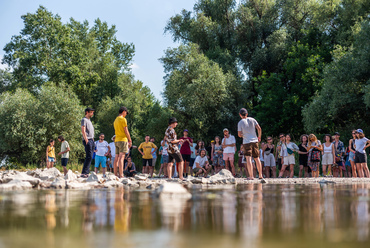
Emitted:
pixel 87 59
pixel 137 98
pixel 196 89
pixel 29 121
pixel 343 103
pixel 6 80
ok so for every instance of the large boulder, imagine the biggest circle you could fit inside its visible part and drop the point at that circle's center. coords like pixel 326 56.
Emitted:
pixel 49 174
pixel 70 176
pixel 22 176
pixel 92 178
pixel 58 183
pixel 172 190
pixel 15 184
pixel 223 177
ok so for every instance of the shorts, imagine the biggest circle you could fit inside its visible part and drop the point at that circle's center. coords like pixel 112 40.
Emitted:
pixel 228 156
pixel 102 160
pixel 269 160
pixel 149 161
pixel 50 159
pixel 289 160
pixel 186 157
pixel 327 159
pixel 351 156
pixel 251 149
pixel 303 161
pixel 165 159
pixel 64 162
pixel 360 158
pixel 121 147
pixel 154 161
pixel 175 156
pixel 196 170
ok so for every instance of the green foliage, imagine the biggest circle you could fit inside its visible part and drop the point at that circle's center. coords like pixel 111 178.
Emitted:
pixel 6 80
pixel 343 103
pixel 89 60
pixel 29 121
pixel 196 89
pixel 276 49
pixel 139 101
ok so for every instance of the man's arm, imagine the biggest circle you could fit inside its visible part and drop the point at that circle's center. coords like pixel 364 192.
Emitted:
pixel 128 137
pixel 83 130
pixel 240 134
pixel 259 131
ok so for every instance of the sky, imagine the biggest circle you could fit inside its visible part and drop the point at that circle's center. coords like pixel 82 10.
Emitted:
pixel 140 22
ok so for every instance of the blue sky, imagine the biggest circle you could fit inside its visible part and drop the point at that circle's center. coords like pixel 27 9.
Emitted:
pixel 140 22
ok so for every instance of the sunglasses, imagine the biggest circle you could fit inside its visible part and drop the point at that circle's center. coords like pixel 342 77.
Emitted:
pixel 281 137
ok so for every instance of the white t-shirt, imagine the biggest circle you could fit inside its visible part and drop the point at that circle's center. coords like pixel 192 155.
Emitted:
pixel 112 149
pixel 248 128
pixel 360 144
pixel 201 161
pixel 165 150
pixel 101 148
pixel 229 141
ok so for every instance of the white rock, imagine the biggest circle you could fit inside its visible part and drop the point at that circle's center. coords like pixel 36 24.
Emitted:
pixel 92 178
pixel 22 176
pixel 49 174
pixel 70 176
pixel 58 183
pixel 141 177
pixel 16 184
pixel 224 177
pixel 113 184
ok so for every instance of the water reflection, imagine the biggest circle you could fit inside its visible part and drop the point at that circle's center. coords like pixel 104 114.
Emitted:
pixel 253 213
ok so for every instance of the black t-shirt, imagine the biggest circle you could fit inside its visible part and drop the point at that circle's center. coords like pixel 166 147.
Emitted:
pixel 302 157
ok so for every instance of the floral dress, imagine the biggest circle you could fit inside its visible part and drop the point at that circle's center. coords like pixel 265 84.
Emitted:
pixel 313 165
pixel 218 159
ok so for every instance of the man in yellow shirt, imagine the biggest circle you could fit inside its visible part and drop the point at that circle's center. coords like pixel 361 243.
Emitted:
pixel 123 140
pixel 147 153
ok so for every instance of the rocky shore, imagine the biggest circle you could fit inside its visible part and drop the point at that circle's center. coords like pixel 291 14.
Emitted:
pixel 52 178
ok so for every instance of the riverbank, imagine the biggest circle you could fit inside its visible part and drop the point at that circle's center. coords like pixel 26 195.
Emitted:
pixel 52 178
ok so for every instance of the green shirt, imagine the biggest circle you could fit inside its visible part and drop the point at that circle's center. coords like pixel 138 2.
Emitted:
pixel 65 145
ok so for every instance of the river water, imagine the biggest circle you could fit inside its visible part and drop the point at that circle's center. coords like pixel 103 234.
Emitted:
pixel 255 215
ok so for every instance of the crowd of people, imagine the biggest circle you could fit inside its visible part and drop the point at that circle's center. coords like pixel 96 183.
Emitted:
pixel 180 157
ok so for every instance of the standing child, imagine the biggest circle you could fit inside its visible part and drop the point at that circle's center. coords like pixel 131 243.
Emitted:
pixel 50 154
pixel 64 152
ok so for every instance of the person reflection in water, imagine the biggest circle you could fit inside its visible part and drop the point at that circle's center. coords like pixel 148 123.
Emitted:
pixel 122 212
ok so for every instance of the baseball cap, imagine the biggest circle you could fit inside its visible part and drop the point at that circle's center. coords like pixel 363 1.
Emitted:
pixel 121 109
pixel 113 137
pixel 359 131
pixel 89 109
pixel 336 133
pixel 243 111
pixel 225 129
pixel 185 130
pixel 172 120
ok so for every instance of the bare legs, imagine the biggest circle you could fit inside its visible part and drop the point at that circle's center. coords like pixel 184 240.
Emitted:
pixel 118 164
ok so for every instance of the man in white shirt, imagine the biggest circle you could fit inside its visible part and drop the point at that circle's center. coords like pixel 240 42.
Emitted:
pixel 101 149
pixel 229 146
pixel 247 130
pixel 201 164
